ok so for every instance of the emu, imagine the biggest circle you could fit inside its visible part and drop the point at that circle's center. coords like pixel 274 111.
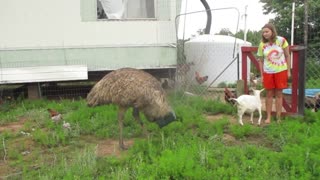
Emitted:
pixel 129 87
pixel 249 103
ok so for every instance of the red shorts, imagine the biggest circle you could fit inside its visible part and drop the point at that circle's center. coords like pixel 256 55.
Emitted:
pixel 275 81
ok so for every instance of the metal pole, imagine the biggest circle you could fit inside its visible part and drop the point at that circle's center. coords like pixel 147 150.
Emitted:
pixel 245 25
pixel 292 23
pixel 305 38
pixel 238 66
pixel 302 79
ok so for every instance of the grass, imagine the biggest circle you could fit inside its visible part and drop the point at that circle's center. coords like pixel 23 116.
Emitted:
pixel 191 148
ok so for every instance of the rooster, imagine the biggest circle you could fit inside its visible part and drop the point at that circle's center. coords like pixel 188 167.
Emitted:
pixel 228 96
pixel 54 115
pixel 200 79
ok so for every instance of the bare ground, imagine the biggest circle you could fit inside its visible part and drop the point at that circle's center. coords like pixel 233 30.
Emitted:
pixel 109 147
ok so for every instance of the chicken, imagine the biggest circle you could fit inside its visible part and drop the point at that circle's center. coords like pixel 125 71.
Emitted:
pixel 54 115
pixel 228 95
pixel 200 79
pixel 66 125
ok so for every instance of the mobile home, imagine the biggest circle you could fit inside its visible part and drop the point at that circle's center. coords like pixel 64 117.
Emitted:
pixel 62 40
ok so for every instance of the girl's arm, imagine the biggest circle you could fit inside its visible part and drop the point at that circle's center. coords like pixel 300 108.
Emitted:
pixel 260 61
pixel 288 59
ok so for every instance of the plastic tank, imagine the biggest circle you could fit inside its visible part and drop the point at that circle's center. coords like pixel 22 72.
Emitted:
pixel 212 54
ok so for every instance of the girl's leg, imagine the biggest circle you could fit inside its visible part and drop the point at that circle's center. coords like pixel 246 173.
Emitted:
pixel 279 96
pixel 270 94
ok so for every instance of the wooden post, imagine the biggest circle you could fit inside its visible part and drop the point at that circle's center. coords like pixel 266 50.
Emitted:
pixel 33 91
pixel 240 88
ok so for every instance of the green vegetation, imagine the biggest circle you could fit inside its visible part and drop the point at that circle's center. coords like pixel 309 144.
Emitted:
pixel 193 147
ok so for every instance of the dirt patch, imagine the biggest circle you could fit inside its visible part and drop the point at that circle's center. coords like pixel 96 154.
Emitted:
pixel 4 169
pixel 229 139
pixel 217 117
pixel 110 147
pixel 13 127
pixel 234 119
pixel 107 147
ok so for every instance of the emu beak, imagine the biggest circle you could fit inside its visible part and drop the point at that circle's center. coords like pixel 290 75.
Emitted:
pixel 166 120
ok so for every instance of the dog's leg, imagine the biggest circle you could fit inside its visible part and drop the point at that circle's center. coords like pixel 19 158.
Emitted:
pixel 251 117
pixel 240 114
pixel 260 116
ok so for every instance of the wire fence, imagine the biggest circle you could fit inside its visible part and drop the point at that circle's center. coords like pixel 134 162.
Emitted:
pixel 205 67
pixel 313 68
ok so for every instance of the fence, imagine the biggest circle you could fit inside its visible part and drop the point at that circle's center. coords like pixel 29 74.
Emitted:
pixel 204 70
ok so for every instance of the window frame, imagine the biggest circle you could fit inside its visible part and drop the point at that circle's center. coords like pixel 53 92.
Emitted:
pixel 155 18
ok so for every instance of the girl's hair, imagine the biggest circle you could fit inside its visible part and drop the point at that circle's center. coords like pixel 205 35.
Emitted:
pixel 274 33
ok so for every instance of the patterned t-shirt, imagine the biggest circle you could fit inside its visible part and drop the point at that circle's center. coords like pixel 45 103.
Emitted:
pixel 273 54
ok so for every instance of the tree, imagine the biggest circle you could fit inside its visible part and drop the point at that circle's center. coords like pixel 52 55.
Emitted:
pixel 282 20
pixel 254 37
pixel 225 31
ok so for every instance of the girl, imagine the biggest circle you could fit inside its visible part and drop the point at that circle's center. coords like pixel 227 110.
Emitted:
pixel 274 62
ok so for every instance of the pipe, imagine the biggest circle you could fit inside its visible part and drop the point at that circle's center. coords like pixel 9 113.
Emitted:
pixel 209 16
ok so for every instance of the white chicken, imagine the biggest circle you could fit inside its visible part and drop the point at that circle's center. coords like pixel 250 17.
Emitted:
pixel 66 125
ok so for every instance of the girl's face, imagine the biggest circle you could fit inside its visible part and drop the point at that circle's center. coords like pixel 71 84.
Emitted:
pixel 266 33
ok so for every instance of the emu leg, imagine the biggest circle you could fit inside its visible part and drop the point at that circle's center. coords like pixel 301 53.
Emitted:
pixel 136 115
pixel 121 113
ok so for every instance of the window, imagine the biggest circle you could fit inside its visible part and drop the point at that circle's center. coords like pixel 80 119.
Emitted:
pixel 125 9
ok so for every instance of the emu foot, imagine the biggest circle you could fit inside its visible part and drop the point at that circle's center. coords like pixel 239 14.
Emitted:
pixel 123 148
pixel 145 132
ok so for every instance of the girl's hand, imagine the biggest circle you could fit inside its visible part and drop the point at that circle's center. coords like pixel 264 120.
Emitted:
pixel 289 76
pixel 289 73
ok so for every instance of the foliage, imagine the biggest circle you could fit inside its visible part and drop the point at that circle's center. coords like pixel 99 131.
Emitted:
pixel 191 148
pixel 229 85
pixel 283 18
pixel 225 31
pixel 254 37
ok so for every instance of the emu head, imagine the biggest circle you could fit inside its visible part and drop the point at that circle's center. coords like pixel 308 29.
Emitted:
pixel 167 119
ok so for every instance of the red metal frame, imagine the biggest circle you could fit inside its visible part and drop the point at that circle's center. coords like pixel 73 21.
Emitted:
pixel 248 52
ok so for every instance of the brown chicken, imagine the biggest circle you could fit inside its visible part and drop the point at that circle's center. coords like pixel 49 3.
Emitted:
pixel 200 79
pixel 54 115
pixel 228 95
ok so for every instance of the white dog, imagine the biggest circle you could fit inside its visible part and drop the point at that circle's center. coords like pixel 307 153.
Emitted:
pixel 249 103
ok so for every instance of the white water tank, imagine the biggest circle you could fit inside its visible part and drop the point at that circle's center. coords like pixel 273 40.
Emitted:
pixel 211 56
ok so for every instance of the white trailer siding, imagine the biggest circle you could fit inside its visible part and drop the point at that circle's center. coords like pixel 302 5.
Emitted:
pixel 65 23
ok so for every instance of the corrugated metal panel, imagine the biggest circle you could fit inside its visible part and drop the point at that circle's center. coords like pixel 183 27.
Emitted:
pixel 43 74
pixel 96 58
